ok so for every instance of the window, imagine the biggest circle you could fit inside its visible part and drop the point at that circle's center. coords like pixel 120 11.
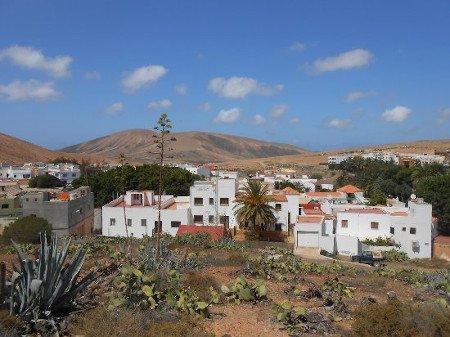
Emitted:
pixel 344 223
pixel 112 222
pixel 412 230
pixel 144 222
pixel 5 206
pixel 35 199
pixel 74 175
pixel 392 230
pixel 129 222
pixel 211 219
pixel 175 223
pixel 278 227
pixel 211 201
pixel 136 196
pixel 198 201
pixel 64 175
pixel 404 229
pixel 224 202
pixel 374 225
pixel 278 207
pixel 198 218
pixel 224 220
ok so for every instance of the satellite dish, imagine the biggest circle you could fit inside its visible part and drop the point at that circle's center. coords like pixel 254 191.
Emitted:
pixel 413 197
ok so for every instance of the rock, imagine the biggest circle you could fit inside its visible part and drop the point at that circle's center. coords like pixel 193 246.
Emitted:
pixel 392 295
pixel 314 317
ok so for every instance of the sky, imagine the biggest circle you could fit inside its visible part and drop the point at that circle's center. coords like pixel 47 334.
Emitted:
pixel 316 74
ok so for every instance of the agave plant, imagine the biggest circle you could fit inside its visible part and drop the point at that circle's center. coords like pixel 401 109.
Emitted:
pixel 47 286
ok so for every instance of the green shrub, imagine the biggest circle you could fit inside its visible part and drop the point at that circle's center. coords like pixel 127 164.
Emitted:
pixel 243 291
pixel 380 241
pixel 396 319
pixel 26 230
pixel 395 255
pixel 45 181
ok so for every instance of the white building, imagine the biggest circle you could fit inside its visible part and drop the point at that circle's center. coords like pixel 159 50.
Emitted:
pixel 141 213
pixel 199 170
pixel 412 227
pixel 16 172
pixel 65 172
pixel 212 202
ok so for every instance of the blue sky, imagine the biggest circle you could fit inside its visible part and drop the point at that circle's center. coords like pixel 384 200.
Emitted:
pixel 317 74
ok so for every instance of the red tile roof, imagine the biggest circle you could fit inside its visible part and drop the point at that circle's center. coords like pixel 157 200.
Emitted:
pixel 365 211
pixel 441 239
pixel 289 190
pixel 310 219
pixel 309 211
pixel 216 232
pixel 311 205
pixel 324 194
pixel 63 196
pixel 349 189
pixel 399 214
pixel 279 198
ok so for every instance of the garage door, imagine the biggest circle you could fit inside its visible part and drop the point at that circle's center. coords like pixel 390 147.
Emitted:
pixel 307 239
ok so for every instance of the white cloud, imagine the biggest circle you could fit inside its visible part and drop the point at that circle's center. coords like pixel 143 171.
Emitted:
pixel 142 77
pixel 355 58
pixel 181 89
pixel 92 75
pixel 396 115
pixel 279 110
pixel 115 109
pixel 241 87
pixel 228 116
pixel 355 95
pixel 298 47
pixel 28 90
pixel 258 119
pixel 30 58
pixel 336 123
pixel 294 120
pixel 444 117
pixel 162 104
pixel 206 106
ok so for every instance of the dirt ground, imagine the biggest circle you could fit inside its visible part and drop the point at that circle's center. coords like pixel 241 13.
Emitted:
pixel 259 319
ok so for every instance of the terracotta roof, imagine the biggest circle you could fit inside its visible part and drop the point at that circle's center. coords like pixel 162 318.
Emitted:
pixel 445 240
pixel 324 194
pixel 312 205
pixel 304 200
pixel 399 214
pixel 310 219
pixel 279 198
pixel 309 211
pixel 365 211
pixel 349 189
pixel 216 232
pixel 289 190
pixel 63 196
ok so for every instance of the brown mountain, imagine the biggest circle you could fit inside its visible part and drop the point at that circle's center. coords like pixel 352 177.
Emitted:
pixel 17 151
pixel 195 147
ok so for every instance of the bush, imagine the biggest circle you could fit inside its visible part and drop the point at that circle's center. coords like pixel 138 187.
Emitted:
pixel 380 241
pixel 26 230
pixel 201 284
pixel 45 181
pixel 395 255
pixel 397 319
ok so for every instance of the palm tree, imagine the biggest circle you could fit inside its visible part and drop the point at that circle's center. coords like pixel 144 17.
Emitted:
pixel 252 210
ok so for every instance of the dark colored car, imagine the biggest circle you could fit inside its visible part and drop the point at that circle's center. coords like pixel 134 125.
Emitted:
pixel 369 257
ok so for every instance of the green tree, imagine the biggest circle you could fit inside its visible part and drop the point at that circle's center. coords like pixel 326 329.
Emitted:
pixel 377 198
pixel 280 185
pixel 436 190
pixel 26 230
pixel 252 210
pixel 45 181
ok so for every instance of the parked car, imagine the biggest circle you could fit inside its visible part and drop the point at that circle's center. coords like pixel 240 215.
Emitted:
pixel 373 258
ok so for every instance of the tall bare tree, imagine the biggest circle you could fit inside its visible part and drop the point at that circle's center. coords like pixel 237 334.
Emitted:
pixel 122 162
pixel 162 139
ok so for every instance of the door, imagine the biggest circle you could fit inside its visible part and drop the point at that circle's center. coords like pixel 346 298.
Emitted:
pixel 308 239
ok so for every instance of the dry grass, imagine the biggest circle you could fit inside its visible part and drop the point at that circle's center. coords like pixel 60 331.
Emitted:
pixel 100 322
pixel 200 283
pixel 396 319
